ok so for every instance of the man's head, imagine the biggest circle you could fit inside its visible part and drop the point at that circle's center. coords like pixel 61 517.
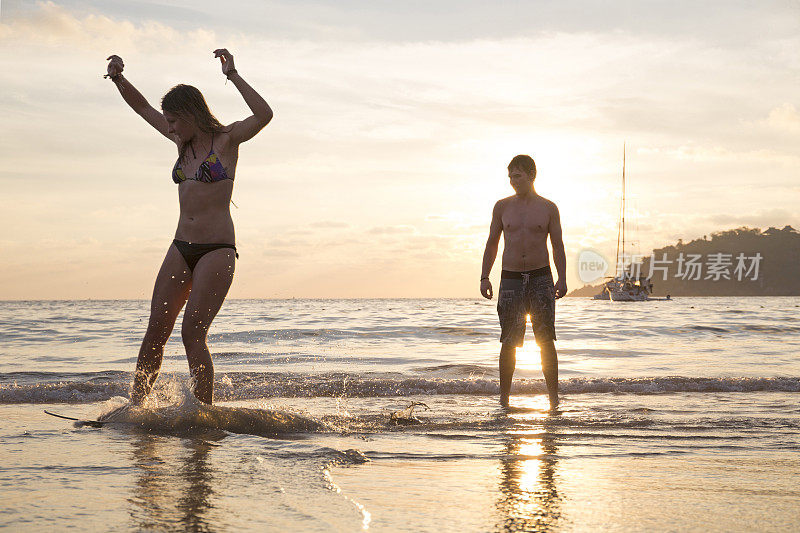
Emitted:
pixel 521 173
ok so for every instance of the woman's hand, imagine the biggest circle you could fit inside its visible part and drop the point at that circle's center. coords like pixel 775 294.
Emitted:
pixel 226 58
pixel 115 66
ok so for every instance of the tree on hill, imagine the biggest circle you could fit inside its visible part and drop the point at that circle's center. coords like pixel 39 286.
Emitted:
pixel 725 265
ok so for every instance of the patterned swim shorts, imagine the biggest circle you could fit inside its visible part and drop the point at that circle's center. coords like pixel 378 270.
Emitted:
pixel 527 293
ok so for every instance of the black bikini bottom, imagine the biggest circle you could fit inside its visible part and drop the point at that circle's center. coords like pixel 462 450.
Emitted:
pixel 192 252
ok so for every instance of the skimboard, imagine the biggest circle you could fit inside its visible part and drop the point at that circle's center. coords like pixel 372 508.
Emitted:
pixel 78 421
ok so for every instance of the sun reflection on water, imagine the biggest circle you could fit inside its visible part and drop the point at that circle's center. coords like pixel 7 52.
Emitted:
pixel 529 498
pixel 529 355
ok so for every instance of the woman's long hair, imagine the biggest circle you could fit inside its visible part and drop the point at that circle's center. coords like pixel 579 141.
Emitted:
pixel 187 101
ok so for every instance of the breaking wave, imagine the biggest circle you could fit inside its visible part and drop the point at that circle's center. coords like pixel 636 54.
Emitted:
pixel 40 388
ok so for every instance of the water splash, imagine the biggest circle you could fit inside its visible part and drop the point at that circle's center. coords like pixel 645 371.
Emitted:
pixel 186 414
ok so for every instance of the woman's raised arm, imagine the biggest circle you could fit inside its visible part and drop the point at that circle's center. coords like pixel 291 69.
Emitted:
pixel 246 129
pixel 135 99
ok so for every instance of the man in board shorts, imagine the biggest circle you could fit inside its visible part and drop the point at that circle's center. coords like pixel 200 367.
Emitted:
pixel 525 220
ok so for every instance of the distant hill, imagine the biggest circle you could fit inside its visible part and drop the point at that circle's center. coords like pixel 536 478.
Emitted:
pixel 738 262
pixel 585 291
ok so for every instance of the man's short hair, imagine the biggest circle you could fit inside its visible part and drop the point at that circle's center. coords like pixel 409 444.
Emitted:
pixel 524 163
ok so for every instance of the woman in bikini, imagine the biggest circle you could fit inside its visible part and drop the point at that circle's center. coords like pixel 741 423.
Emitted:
pixel 198 268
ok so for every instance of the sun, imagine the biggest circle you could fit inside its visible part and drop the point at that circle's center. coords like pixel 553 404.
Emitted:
pixel 575 173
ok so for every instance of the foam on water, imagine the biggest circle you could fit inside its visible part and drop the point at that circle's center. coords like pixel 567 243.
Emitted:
pixel 183 413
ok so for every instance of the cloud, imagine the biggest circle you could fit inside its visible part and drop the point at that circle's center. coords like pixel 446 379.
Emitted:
pixel 718 153
pixel 280 253
pixel 761 218
pixel 738 25
pixel 784 118
pixel 391 230
pixel 51 24
pixel 329 224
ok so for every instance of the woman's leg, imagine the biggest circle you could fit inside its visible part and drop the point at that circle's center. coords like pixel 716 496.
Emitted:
pixel 173 283
pixel 211 279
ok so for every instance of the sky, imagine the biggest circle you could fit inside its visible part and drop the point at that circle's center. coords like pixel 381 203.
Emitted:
pixel 394 123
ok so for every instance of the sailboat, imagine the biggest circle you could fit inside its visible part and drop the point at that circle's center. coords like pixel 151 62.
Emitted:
pixel 625 286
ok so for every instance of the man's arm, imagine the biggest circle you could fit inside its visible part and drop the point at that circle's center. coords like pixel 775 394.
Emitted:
pixel 490 254
pixel 559 255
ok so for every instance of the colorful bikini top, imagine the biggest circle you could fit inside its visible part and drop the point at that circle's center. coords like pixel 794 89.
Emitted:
pixel 209 171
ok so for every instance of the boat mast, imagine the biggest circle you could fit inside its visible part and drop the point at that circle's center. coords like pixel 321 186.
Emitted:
pixel 621 226
pixel 623 201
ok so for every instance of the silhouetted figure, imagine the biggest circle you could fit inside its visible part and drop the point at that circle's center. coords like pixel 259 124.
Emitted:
pixel 526 287
pixel 198 268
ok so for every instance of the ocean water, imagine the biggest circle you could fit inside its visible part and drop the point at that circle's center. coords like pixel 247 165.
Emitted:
pixel 346 415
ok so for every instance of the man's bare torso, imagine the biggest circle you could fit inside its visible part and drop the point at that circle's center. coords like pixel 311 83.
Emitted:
pixel 526 223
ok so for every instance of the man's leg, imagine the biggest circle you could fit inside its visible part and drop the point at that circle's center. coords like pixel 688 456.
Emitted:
pixel 511 311
pixel 508 361
pixel 543 313
pixel 550 370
